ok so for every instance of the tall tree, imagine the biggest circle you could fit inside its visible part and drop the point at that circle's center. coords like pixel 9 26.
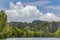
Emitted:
pixel 3 19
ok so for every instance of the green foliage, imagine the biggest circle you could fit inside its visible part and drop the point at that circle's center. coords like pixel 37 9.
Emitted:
pixel 57 33
pixel 2 19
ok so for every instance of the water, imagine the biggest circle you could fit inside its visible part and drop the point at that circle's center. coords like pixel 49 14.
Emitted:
pixel 33 39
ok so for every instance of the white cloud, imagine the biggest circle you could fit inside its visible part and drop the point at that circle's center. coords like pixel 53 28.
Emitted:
pixel 18 12
pixel 37 3
pixel 49 17
pixel 24 14
pixel 52 7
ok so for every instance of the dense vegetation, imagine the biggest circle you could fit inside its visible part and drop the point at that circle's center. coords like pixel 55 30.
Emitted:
pixel 35 29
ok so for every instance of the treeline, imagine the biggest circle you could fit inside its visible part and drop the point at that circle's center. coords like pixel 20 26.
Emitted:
pixel 14 32
pixel 34 29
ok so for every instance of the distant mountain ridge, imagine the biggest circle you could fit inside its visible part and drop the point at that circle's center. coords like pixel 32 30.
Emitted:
pixel 37 25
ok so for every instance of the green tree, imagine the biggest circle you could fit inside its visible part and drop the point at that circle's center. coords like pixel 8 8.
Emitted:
pixel 57 33
pixel 3 19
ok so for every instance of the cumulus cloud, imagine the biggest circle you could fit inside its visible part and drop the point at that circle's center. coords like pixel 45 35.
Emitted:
pixel 49 17
pixel 18 12
pixel 53 8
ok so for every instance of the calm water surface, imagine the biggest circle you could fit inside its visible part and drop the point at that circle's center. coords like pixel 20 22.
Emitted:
pixel 33 39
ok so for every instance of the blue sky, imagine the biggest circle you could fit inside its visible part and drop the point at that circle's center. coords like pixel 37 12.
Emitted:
pixel 43 5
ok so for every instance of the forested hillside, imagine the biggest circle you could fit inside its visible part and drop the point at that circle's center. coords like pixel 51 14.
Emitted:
pixel 35 29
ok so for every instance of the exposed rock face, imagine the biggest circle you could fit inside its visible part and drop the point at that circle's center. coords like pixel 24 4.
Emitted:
pixel 37 25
